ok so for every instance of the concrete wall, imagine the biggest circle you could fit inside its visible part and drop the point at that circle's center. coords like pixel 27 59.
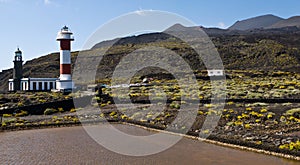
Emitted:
pixel 38 109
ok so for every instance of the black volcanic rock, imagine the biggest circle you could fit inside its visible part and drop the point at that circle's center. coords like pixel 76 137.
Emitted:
pixel 256 22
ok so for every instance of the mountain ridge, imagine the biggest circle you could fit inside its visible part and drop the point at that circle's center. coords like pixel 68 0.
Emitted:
pixel 252 49
pixel 292 21
pixel 268 21
pixel 256 22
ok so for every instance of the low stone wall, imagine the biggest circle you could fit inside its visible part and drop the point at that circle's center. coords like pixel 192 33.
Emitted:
pixel 144 100
pixel 38 109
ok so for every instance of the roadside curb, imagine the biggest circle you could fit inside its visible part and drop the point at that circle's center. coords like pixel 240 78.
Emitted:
pixel 234 146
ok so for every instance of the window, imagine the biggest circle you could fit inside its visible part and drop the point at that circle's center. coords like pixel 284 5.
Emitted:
pixel 34 87
pixel 45 85
pixel 51 85
pixel 40 85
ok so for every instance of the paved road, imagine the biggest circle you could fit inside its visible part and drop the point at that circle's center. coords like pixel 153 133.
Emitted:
pixel 73 146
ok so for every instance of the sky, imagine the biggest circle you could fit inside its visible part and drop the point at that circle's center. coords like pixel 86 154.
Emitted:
pixel 32 25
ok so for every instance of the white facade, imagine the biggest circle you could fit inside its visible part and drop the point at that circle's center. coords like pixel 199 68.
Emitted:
pixel 11 85
pixel 65 57
pixel 215 72
pixel 64 77
pixel 64 34
pixel 64 84
pixel 34 84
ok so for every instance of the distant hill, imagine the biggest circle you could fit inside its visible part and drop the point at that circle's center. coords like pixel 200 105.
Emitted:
pixel 293 21
pixel 256 49
pixel 256 22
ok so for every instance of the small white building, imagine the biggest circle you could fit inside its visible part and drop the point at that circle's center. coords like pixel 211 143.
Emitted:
pixel 34 84
pixel 215 72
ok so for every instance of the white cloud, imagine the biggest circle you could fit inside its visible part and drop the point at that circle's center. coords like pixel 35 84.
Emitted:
pixel 221 25
pixel 142 12
pixel 4 1
pixel 51 2
pixel 47 2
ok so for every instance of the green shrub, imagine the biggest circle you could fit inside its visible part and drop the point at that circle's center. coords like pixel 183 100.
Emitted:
pixel 20 104
pixel 291 112
pixel 78 109
pixel 4 124
pixel 7 115
pixel 73 110
pixel 22 113
pixel 50 111
pixel 42 100
pixel 60 109
pixel 291 146
pixel 112 113
pixel 175 105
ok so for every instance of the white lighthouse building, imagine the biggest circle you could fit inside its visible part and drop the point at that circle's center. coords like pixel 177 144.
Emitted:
pixel 65 36
pixel 64 83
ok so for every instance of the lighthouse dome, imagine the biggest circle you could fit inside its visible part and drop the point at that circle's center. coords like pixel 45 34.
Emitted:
pixel 64 34
pixel 18 52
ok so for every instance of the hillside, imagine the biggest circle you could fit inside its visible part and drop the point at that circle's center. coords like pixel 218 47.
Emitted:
pixel 260 49
pixel 293 21
pixel 256 22
pixel 265 22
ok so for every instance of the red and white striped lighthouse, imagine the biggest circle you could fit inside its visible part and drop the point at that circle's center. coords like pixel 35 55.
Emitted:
pixel 65 36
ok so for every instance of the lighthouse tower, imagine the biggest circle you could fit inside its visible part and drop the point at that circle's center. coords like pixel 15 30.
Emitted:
pixel 18 70
pixel 64 37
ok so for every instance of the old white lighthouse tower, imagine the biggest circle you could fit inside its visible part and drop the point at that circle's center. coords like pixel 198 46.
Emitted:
pixel 65 36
